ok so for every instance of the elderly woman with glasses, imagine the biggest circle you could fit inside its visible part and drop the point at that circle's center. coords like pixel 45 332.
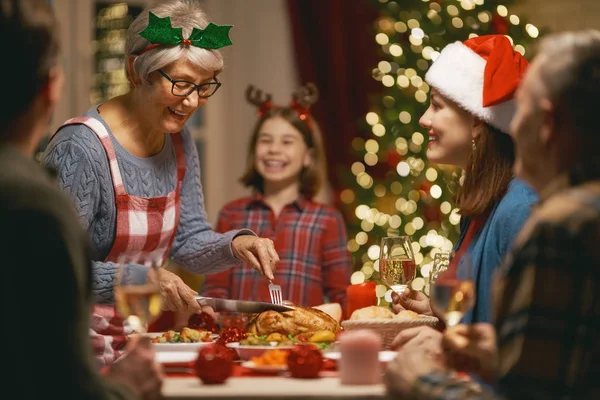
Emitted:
pixel 131 167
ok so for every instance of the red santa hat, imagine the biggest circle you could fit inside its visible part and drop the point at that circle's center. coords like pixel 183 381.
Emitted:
pixel 481 75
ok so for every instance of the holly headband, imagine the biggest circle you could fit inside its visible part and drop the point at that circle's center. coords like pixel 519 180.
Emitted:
pixel 160 32
pixel 301 101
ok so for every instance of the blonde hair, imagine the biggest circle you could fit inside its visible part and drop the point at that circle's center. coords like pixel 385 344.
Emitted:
pixel 185 14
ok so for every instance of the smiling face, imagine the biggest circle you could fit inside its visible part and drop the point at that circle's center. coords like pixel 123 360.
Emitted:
pixel 169 113
pixel 450 131
pixel 280 153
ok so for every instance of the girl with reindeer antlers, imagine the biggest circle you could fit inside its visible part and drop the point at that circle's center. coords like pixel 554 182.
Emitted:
pixel 286 169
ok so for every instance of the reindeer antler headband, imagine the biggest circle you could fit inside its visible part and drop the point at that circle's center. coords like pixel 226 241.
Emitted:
pixel 301 102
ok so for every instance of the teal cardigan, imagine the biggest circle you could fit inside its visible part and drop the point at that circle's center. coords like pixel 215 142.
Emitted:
pixel 492 243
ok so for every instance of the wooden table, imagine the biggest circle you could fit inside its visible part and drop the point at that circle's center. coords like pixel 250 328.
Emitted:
pixel 276 387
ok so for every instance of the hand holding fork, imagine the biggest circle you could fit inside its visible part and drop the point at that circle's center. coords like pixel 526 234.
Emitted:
pixel 258 252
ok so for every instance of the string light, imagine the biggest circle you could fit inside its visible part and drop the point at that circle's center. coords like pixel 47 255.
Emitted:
pixel 388 81
pixel 382 38
pixel 396 50
pixel 403 81
pixel 532 30
pixel 378 130
pixel 404 116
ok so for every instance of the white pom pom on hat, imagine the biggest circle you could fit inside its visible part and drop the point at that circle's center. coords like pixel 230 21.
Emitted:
pixel 481 75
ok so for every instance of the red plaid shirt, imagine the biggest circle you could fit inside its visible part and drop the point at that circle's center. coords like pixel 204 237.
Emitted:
pixel 310 239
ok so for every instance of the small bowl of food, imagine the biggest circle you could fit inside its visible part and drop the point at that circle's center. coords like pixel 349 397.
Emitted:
pixel 271 361
pixel 255 346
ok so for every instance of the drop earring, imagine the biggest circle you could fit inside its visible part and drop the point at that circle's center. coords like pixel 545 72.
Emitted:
pixel 473 144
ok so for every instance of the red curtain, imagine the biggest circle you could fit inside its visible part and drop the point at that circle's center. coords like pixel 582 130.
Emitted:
pixel 334 44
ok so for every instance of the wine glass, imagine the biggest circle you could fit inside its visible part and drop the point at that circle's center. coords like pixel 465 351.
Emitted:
pixel 440 264
pixel 453 293
pixel 397 262
pixel 137 294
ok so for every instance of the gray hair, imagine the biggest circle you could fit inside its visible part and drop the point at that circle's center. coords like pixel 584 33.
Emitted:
pixel 185 14
pixel 570 75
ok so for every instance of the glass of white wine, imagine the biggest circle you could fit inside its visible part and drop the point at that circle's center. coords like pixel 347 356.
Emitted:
pixel 397 267
pixel 137 295
pixel 453 293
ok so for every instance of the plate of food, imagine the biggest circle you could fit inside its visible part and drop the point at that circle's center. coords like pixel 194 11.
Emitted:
pixel 274 329
pixel 247 351
pixel 254 346
pixel 271 361
pixel 176 357
pixel 188 339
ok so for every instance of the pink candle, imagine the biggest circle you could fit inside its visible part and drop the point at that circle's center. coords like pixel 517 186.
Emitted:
pixel 359 362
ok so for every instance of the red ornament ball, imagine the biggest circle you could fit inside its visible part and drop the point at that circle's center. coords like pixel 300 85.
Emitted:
pixel 214 364
pixel 305 361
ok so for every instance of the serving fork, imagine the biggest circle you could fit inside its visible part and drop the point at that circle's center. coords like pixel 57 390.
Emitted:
pixel 275 293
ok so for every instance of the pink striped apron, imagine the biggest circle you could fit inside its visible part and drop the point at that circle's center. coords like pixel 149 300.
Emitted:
pixel 145 231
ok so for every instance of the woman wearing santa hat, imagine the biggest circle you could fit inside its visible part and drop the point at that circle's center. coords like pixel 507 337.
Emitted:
pixel 472 88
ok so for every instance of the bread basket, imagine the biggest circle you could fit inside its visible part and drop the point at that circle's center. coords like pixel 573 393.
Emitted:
pixel 388 328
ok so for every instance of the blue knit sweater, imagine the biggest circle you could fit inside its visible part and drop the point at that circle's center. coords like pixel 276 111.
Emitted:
pixel 83 172
pixel 492 243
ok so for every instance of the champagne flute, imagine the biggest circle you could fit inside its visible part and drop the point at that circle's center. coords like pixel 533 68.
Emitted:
pixel 137 294
pixel 397 262
pixel 440 264
pixel 453 294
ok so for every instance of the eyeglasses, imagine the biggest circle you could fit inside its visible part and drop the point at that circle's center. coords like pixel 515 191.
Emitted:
pixel 183 88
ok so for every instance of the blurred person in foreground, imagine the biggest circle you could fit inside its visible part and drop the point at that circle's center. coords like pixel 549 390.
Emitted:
pixel 544 341
pixel 43 237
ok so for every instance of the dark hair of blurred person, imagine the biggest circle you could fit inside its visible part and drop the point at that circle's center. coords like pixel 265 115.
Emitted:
pixel 46 289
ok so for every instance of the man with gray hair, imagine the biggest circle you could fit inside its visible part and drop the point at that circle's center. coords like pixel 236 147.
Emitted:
pixel 545 342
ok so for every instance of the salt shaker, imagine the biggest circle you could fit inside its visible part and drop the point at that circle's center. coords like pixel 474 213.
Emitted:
pixel 359 362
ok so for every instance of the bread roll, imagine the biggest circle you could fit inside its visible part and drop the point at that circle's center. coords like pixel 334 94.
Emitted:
pixel 372 312
pixel 407 314
pixel 333 309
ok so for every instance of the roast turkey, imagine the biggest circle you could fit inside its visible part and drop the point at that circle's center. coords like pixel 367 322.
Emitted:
pixel 300 320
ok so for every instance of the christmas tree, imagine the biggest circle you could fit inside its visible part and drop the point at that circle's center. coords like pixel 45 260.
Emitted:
pixel 392 189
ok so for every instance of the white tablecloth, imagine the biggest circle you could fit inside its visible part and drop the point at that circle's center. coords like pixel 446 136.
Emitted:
pixel 276 387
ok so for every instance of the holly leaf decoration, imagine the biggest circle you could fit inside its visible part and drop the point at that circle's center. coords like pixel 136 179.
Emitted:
pixel 160 31
pixel 212 37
